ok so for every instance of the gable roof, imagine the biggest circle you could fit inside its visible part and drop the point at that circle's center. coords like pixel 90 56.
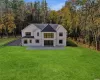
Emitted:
pixel 54 26
pixel 51 27
pixel 42 26
pixel 48 28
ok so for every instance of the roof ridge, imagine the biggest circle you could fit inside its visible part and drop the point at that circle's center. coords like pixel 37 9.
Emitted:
pixel 44 27
pixel 48 28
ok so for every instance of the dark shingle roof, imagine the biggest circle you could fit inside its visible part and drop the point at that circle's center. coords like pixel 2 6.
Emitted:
pixel 42 26
pixel 54 26
pixel 48 28
pixel 28 37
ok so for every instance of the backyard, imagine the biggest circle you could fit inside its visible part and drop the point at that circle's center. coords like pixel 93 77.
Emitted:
pixel 72 63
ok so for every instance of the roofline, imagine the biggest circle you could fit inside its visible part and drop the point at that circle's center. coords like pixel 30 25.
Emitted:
pixel 26 27
pixel 60 26
pixel 49 31
pixel 29 25
pixel 44 27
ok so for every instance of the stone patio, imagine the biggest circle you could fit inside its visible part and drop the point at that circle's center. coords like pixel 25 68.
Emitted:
pixel 45 48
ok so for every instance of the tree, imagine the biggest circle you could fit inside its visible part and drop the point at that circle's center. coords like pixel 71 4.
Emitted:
pixel 44 10
pixel 1 27
pixel 53 17
pixel 9 23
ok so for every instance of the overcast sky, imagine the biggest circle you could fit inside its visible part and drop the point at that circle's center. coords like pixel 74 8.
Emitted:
pixel 53 4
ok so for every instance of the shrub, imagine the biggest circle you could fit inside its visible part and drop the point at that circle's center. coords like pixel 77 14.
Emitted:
pixel 71 43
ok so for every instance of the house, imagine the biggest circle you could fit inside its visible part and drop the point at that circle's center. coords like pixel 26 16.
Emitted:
pixel 44 35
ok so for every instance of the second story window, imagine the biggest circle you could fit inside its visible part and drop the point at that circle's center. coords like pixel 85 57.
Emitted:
pixel 37 33
pixel 48 35
pixel 28 33
pixel 60 34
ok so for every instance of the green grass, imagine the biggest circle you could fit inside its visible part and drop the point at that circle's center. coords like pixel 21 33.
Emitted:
pixel 5 40
pixel 73 63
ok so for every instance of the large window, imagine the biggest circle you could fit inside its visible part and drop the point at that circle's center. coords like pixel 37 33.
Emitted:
pixel 28 33
pixel 60 34
pixel 48 35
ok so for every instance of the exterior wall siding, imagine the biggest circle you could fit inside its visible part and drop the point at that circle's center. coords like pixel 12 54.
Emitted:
pixel 34 30
pixel 64 37
pixel 33 42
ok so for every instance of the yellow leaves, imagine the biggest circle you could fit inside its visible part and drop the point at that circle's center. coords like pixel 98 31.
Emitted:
pixel 53 16
pixel 9 17
pixel 97 21
pixel 70 17
pixel 66 14
pixel 76 20
pixel 1 26
pixel 11 26
pixel 7 22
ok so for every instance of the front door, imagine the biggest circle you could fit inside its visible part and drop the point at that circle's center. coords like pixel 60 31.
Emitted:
pixel 48 42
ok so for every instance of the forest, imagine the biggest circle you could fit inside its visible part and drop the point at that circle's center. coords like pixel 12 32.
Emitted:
pixel 81 18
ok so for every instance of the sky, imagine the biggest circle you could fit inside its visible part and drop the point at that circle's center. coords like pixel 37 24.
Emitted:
pixel 53 4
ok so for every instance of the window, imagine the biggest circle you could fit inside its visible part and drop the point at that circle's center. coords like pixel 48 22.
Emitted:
pixel 28 33
pixel 61 34
pixel 38 34
pixel 37 41
pixel 60 41
pixel 30 41
pixel 48 35
pixel 25 41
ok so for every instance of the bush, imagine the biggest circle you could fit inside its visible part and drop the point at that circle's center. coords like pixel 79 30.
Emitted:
pixel 71 43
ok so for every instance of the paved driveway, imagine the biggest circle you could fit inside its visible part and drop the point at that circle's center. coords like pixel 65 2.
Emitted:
pixel 15 43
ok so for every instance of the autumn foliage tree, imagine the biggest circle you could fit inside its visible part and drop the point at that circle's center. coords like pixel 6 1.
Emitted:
pixel 9 23
pixel 1 27
pixel 53 17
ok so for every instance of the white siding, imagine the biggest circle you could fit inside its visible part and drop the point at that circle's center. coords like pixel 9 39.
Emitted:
pixel 30 28
pixel 35 34
pixel 60 29
pixel 28 42
pixel 31 44
pixel 34 30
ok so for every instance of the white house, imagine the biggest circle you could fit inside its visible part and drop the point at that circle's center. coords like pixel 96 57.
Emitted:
pixel 44 35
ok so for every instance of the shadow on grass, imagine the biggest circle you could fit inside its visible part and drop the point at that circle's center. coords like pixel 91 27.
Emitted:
pixel 71 43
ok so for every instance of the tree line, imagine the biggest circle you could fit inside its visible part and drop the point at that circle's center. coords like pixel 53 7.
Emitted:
pixel 81 18
pixel 17 14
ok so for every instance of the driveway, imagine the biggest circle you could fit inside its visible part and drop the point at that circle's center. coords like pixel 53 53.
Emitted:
pixel 15 43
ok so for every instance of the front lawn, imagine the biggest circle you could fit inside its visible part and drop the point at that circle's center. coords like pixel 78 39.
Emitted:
pixel 73 63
